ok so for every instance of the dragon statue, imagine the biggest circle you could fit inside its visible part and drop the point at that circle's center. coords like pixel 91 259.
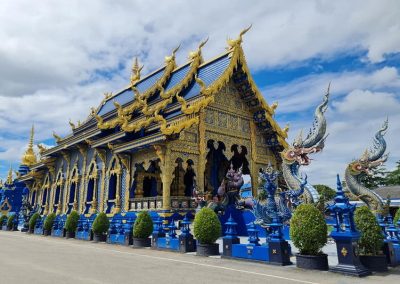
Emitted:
pixel 361 167
pixel 266 207
pixel 297 155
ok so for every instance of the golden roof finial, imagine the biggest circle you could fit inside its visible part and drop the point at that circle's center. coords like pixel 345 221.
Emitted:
pixel 136 71
pixel 58 138
pixel 194 54
pixel 10 176
pixel 29 158
pixel 286 128
pixel 171 59
pixel 232 43
pixel 274 106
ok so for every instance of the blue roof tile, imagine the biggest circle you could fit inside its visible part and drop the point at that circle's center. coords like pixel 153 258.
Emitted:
pixel 207 73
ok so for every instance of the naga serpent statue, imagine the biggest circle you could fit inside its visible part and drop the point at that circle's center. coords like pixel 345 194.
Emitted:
pixel 266 208
pixel 361 167
pixel 297 155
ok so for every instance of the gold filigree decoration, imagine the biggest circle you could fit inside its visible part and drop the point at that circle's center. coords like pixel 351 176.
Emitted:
pixel 176 126
pixel 344 251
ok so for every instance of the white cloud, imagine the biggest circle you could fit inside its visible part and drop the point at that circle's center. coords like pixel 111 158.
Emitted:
pixel 353 117
pixel 52 54
pixel 307 91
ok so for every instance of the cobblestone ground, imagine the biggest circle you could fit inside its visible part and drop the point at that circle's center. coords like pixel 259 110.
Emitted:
pixel 37 259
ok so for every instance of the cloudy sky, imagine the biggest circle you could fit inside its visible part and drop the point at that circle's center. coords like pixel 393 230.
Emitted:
pixel 57 58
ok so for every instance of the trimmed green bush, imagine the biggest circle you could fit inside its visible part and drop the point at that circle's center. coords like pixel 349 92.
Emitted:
pixel 371 240
pixel 3 219
pixel 308 229
pixel 48 223
pixel 32 221
pixel 10 221
pixel 396 217
pixel 101 224
pixel 207 228
pixel 143 226
pixel 72 222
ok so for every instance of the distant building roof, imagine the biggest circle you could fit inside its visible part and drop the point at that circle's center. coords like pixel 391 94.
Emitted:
pixel 393 191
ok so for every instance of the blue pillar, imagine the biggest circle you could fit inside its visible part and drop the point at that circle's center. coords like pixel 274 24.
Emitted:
pixel 230 237
pixel 346 235
pixel 158 232
pixel 186 240
pixel 391 246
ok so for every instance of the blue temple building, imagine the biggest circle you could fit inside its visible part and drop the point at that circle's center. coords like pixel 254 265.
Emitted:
pixel 150 145
pixel 11 190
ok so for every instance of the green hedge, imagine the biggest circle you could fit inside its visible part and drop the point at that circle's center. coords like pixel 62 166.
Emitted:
pixel 143 226
pixel 3 219
pixel 10 221
pixel 48 223
pixel 101 224
pixel 207 228
pixel 371 240
pixel 72 222
pixel 397 217
pixel 308 229
pixel 32 221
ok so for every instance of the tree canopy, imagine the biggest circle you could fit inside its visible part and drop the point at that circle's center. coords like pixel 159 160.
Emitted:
pixel 381 177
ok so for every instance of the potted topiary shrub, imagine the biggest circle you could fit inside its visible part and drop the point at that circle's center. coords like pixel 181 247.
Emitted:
pixel 207 229
pixel 3 222
pixel 308 231
pixel 32 222
pixel 396 219
pixel 71 224
pixel 371 240
pixel 142 230
pixel 48 224
pixel 11 224
pixel 100 227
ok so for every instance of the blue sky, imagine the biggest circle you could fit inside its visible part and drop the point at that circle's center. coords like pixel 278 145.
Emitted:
pixel 57 59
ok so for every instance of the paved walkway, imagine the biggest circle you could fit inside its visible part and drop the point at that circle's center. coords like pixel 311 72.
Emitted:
pixel 38 259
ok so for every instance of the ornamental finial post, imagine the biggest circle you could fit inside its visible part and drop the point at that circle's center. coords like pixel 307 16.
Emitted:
pixel 29 157
pixel 9 180
pixel 136 71
pixel 31 137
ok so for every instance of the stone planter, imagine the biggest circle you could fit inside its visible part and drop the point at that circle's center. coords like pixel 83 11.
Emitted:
pixel 316 262
pixel 207 249
pixel 376 263
pixel 139 242
pixel 70 235
pixel 46 233
pixel 99 238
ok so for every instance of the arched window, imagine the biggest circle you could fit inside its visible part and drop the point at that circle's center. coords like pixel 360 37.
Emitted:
pixel 114 177
pixel 91 191
pixel 58 191
pixel 72 195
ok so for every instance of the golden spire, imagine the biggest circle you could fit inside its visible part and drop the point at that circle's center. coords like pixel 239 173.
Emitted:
pixel 10 176
pixel 135 71
pixel 29 158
